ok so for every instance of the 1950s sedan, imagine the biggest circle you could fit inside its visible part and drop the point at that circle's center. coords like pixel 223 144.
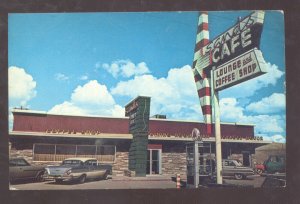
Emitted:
pixel 234 168
pixel 230 168
pixel 20 169
pixel 78 169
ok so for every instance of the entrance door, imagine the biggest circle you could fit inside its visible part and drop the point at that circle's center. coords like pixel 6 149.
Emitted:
pixel 246 158
pixel 154 161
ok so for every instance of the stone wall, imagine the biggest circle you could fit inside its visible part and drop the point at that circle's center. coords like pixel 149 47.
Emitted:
pixel 173 163
pixel 27 154
pixel 120 165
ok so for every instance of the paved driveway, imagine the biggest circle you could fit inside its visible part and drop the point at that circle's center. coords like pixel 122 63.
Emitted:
pixel 153 182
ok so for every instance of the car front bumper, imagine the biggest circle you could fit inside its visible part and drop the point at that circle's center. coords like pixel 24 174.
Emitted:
pixel 61 177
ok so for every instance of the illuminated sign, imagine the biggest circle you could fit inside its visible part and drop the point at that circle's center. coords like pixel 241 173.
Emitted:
pixel 131 107
pixel 242 37
pixel 244 67
pixel 131 112
pixel 138 112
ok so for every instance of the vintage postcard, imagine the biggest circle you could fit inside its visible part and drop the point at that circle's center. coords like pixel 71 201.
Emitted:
pixel 146 100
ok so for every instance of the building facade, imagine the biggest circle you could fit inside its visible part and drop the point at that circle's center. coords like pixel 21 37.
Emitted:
pixel 50 138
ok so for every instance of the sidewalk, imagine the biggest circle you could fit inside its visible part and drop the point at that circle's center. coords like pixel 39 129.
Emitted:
pixel 147 178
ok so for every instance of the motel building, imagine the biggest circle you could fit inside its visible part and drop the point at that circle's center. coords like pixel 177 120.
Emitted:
pixel 45 138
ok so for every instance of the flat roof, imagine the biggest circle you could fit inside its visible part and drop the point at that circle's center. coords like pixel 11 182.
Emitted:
pixel 129 136
pixel 100 116
pixel 62 114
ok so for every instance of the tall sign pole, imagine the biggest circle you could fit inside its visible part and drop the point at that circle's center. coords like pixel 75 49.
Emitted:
pixel 231 58
pixel 216 116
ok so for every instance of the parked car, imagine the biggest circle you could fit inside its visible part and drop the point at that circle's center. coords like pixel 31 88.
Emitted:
pixel 274 180
pixel 20 169
pixel 275 164
pixel 230 168
pixel 234 168
pixel 259 168
pixel 78 169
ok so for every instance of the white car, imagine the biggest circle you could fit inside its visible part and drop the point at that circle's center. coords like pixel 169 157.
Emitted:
pixel 78 169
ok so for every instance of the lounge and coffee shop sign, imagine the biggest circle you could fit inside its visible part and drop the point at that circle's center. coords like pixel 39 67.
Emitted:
pixel 247 66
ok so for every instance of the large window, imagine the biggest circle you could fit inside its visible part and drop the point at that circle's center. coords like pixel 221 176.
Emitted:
pixel 59 152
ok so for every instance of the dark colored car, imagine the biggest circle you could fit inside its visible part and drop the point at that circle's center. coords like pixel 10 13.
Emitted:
pixel 275 164
pixel 20 169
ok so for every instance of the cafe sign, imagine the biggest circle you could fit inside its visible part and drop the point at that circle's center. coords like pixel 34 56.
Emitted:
pixel 242 37
pixel 244 67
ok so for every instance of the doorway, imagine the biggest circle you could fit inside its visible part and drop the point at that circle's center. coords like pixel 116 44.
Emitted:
pixel 246 158
pixel 153 161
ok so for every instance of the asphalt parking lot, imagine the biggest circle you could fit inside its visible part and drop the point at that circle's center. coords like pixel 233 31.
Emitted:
pixel 149 182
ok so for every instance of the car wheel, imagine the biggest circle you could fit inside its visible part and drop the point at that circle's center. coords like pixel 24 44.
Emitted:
pixel 259 171
pixel 40 177
pixel 82 178
pixel 105 177
pixel 58 180
pixel 238 176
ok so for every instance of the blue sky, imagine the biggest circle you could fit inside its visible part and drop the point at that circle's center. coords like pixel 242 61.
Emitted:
pixel 94 63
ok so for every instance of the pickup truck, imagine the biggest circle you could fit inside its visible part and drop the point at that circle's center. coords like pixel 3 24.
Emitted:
pixel 275 164
pixel 78 169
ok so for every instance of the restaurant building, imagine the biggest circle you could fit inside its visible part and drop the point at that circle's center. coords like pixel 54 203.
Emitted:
pixel 50 138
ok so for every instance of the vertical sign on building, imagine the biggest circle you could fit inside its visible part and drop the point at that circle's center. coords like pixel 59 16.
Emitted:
pixel 138 111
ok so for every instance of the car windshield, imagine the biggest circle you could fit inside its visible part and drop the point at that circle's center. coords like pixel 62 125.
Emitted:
pixel 238 163
pixel 72 162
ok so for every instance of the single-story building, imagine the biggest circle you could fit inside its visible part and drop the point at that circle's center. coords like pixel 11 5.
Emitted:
pixel 50 138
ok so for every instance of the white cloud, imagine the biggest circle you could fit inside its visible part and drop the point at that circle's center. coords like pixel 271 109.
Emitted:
pixel 90 99
pixel 279 138
pixel 264 124
pixel 125 68
pixel 61 77
pixel 21 86
pixel 92 93
pixel 230 111
pixel 118 111
pixel 271 104
pixel 275 138
pixel 248 88
pixel 21 89
pixel 175 95
pixel 84 77
pixel 68 107
pixel 10 119
pixel 113 69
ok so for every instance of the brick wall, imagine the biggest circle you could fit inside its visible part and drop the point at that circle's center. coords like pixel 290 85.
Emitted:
pixel 27 154
pixel 174 163
pixel 121 163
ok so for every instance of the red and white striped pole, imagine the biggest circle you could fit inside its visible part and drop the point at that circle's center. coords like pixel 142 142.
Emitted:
pixel 207 94
pixel 202 60
pixel 177 180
